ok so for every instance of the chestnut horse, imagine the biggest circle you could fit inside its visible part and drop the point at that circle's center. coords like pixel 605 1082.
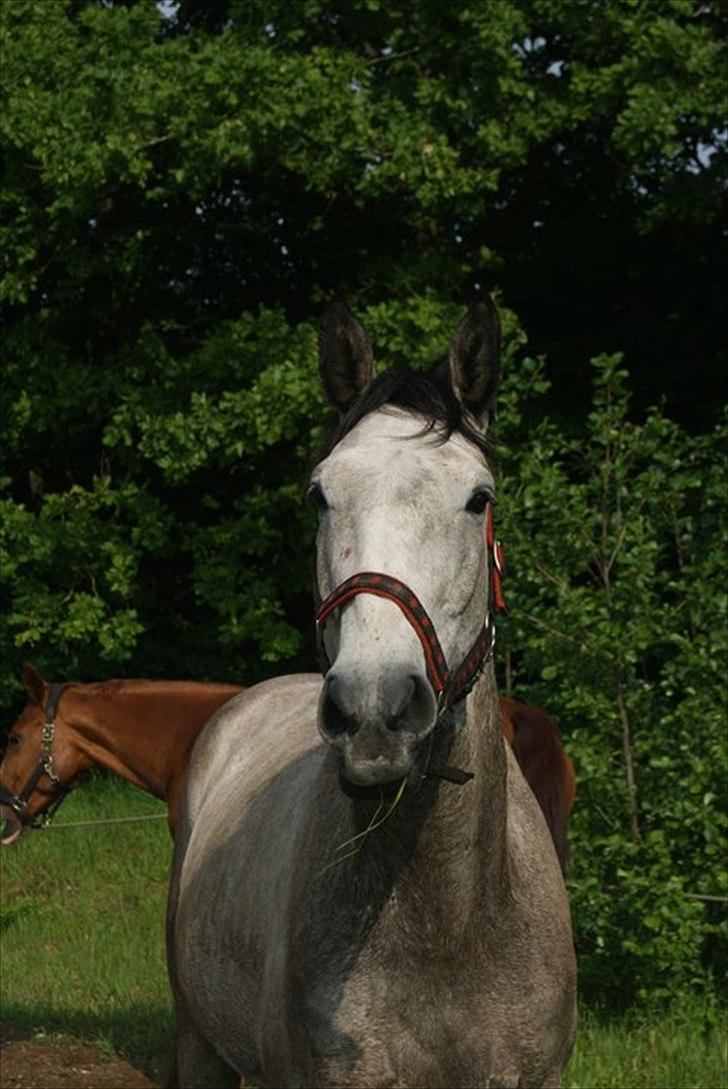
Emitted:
pixel 143 731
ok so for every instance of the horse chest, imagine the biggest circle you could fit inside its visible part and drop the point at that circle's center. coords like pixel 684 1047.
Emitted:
pixel 408 1027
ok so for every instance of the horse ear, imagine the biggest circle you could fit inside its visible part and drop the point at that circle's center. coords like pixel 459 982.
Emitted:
pixel 33 683
pixel 345 355
pixel 474 361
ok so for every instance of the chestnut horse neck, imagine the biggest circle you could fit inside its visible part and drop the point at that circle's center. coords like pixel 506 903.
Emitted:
pixel 140 730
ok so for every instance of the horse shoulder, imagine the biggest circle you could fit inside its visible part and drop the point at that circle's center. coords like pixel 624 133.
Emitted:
pixel 251 774
pixel 253 735
pixel 536 964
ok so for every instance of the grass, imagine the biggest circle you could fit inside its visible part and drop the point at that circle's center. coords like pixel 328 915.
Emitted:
pixel 82 927
pixel 82 948
pixel 682 1049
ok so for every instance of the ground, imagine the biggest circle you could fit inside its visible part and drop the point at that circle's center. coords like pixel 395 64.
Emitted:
pixel 60 1062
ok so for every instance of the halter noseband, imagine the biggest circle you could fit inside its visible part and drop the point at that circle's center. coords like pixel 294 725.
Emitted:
pixel 19 802
pixel 449 687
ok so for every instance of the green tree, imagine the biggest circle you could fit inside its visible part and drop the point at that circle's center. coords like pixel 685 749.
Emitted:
pixel 617 544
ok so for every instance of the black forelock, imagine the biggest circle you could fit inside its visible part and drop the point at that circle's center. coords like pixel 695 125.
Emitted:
pixel 428 394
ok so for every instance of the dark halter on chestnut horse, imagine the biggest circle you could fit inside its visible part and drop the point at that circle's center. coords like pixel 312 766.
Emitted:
pixel 19 802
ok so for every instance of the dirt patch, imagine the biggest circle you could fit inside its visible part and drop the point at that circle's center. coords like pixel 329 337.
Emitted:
pixel 60 1062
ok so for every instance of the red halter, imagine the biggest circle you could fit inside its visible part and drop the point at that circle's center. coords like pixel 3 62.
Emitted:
pixel 449 687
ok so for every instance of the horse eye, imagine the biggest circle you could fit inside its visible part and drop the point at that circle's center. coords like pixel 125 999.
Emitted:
pixel 478 502
pixel 13 739
pixel 315 496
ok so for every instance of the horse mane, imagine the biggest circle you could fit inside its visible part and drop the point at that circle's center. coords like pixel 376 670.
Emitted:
pixel 119 687
pixel 428 394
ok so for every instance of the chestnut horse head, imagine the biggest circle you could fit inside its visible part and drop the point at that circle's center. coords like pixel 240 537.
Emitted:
pixel 41 765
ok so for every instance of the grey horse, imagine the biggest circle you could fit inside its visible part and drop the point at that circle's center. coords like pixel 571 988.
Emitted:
pixel 365 892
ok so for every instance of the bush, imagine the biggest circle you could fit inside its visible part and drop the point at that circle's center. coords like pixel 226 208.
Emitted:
pixel 616 544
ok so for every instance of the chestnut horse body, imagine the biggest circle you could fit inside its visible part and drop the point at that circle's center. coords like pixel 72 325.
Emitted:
pixel 537 746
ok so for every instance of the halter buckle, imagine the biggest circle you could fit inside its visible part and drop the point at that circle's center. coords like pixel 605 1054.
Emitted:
pixel 498 556
pixel 48 769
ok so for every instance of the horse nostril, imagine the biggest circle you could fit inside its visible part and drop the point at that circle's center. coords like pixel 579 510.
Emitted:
pixel 335 720
pixel 10 829
pixel 412 706
pixel 394 701
pixel 400 697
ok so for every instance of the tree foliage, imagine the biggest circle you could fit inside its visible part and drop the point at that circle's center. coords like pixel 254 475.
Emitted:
pixel 184 184
pixel 617 539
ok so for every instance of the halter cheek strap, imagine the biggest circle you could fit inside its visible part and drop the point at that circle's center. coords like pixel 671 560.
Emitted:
pixel 448 687
pixel 498 559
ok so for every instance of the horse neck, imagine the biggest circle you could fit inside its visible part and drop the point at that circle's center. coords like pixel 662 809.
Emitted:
pixel 438 862
pixel 143 735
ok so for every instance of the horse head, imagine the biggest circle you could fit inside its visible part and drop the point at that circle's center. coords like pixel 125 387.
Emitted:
pixel 404 495
pixel 40 764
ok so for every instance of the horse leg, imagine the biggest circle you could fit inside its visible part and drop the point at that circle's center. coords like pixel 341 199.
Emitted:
pixel 197 1065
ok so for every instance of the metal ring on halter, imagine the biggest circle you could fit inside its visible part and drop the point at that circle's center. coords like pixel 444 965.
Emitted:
pixel 497 552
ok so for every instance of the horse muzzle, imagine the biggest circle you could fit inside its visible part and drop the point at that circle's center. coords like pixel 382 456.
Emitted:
pixel 376 724
pixel 11 827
